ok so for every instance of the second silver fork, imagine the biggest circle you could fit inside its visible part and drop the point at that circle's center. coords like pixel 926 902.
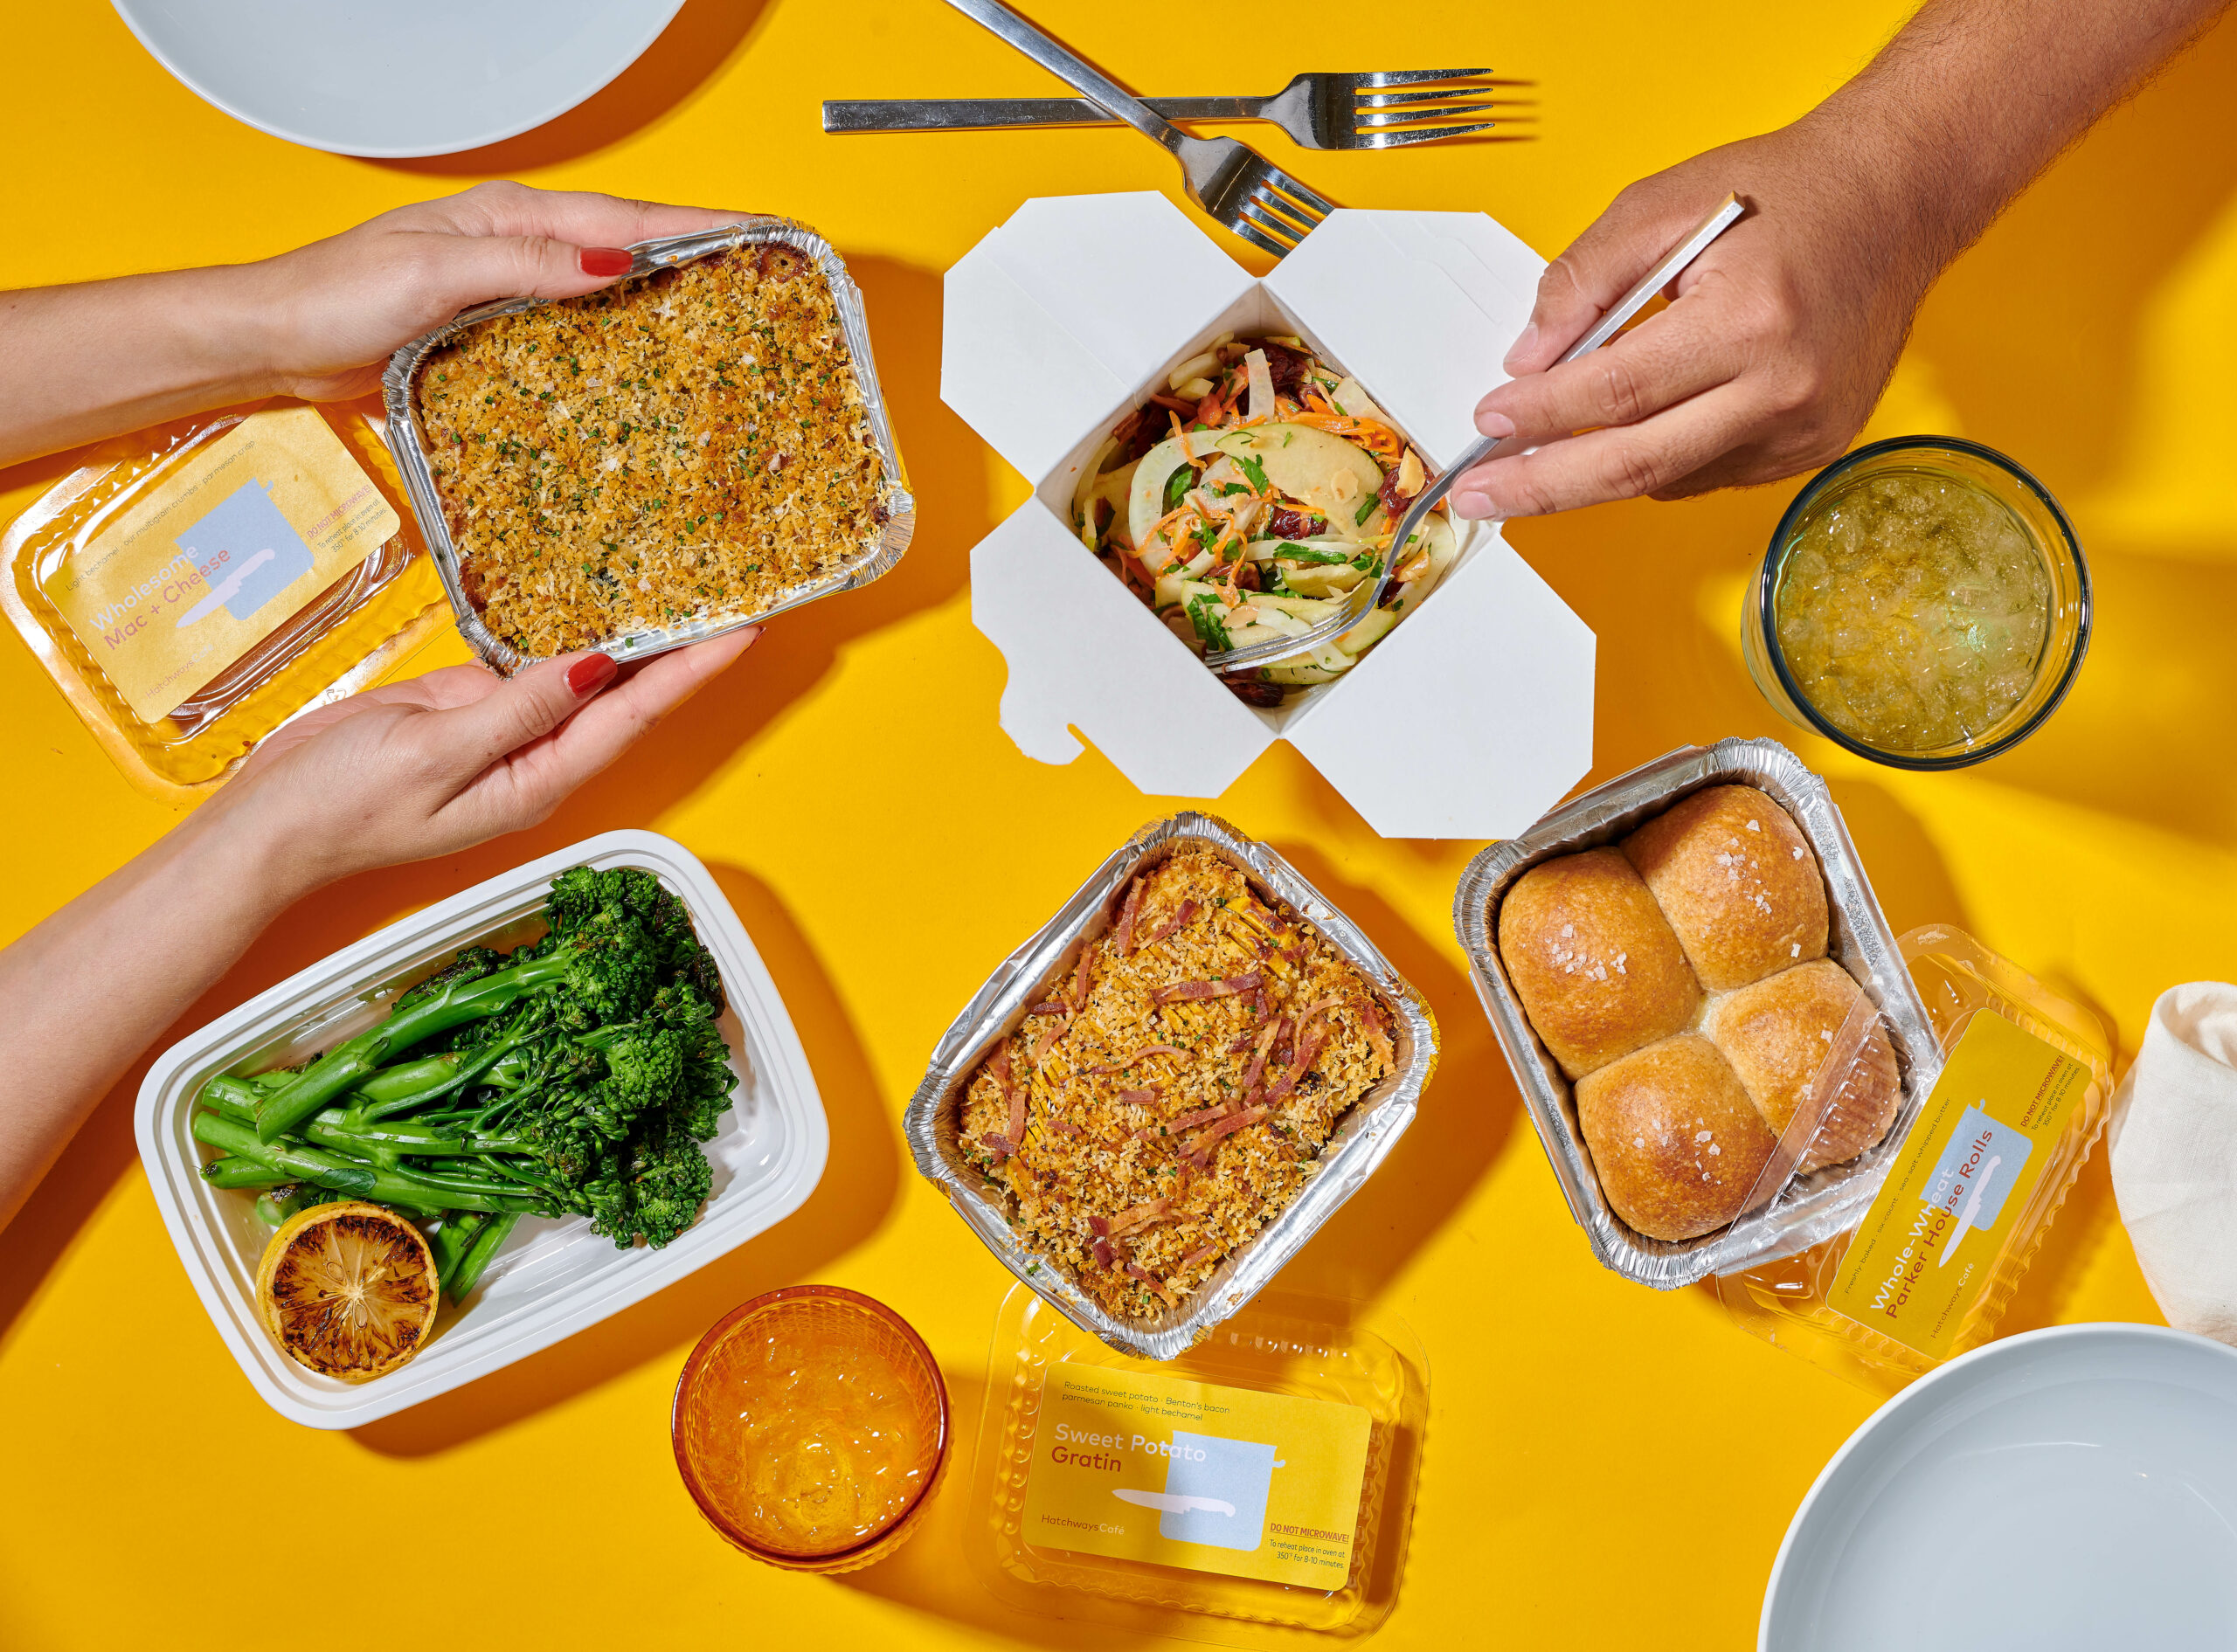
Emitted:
pixel 1229 180
pixel 1324 110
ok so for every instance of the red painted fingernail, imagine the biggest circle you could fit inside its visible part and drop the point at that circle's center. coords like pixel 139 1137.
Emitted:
pixel 590 674
pixel 604 261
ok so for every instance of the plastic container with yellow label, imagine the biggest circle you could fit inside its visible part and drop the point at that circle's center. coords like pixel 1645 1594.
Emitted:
pixel 192 587
pixel 1256 1487
pixel 1970 1192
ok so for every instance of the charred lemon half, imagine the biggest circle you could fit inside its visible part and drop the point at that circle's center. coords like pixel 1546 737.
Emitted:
pixel 348 1290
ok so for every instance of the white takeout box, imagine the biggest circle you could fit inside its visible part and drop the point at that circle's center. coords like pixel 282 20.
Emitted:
pixel 1472 718
pixel 553 1278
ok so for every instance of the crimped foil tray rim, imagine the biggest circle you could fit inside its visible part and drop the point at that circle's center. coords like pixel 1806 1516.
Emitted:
pixel 406 443
pixel 1794 1222
pixel 1354 1150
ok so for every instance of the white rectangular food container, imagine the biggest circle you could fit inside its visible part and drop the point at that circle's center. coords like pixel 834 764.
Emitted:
pixel 553 1278
pixel 1472 718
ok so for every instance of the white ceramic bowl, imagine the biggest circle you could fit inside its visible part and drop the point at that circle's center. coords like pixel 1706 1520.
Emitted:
pixel 553 1278
pixel 397 78
pixel 2073 1488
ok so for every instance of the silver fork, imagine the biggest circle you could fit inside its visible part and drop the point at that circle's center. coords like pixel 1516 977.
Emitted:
pixel 1612 322
pixel 1231 181
pixel 1322 111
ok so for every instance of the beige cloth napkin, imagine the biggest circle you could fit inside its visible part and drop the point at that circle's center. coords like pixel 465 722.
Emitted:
pixel 2173 1140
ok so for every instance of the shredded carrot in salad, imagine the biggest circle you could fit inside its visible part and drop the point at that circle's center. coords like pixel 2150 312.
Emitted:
pixel 1242 527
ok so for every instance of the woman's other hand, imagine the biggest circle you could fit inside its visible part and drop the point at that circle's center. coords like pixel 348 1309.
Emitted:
pixel 439 763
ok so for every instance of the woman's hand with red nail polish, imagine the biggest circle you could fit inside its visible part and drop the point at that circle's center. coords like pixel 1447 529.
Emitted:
pixel 433 765
pixel 339 307
pixel 402 773
pixel 604 262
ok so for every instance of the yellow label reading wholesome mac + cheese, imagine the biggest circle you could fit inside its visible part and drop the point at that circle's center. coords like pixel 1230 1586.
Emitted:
pixel 1147 1467
pixel 219 555
pixel 1976 1152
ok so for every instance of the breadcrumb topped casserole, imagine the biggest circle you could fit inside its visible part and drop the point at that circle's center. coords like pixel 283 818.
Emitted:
pixel 1169 1096
pixel 688 444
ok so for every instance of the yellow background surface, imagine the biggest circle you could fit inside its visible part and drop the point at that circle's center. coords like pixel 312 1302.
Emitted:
pixel 1605 1465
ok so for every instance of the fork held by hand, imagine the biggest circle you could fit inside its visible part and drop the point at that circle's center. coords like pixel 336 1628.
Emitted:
pixel 1673 265
pixel 1232 182
pixel 1320 111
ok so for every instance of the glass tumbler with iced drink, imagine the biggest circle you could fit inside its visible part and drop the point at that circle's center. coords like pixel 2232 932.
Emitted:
pixel 1924 604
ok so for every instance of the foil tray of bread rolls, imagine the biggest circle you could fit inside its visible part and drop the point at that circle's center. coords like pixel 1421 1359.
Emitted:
pixel 1654 957
pixel 1356 1147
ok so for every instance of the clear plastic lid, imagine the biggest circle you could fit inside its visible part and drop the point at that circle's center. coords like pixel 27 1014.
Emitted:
pixel 192 587
pixel 1963 1202
pixel 1259 1486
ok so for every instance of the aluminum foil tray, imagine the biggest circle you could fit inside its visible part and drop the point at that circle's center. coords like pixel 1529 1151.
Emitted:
pixel 408 442
pixel 1812 1208
pixel 1359 1144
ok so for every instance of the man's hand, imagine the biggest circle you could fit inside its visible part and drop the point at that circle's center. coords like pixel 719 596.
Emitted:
pixel 1777 342
pixel 1779 338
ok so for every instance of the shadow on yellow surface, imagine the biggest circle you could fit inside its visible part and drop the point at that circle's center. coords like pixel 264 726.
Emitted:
pixel 1467 1113
pixel 690 54
pixel 1907 872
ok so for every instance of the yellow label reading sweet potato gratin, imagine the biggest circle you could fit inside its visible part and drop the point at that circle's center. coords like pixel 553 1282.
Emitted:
pixel 219 555
pixel 1147 1467
pixel 1979 1147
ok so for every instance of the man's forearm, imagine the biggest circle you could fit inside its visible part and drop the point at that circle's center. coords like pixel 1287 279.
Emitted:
pixel 80 363
pixel 1972 98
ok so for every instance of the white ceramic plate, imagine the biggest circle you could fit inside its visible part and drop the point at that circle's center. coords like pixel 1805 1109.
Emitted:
pixel 396 77
pixel 2074 1488
pixel 553 1278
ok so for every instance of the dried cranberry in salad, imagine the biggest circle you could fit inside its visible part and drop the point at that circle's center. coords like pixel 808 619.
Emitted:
pixel 1249 500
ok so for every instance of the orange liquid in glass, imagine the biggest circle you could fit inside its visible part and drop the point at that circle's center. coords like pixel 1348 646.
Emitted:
pixel 814 1430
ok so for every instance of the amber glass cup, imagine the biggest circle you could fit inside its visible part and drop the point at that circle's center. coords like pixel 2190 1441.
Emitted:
pixel 834 1330
pixel 2067 637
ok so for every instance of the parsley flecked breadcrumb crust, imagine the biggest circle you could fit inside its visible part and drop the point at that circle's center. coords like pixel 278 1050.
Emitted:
pixel 687 444
pixel 1169 1096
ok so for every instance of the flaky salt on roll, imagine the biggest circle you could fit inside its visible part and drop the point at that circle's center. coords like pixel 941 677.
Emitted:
pixel 1736 881
pixel 1599 971
pixel 1780 1032
pixel 1676 1143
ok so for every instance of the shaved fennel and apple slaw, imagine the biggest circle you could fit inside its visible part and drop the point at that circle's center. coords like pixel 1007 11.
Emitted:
pixel 1247 501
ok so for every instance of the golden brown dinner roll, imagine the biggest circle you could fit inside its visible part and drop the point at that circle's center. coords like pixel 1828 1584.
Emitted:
pixel 1778 1033
pixel 1738 883
pixel 1676 1143
pixel 1598 968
